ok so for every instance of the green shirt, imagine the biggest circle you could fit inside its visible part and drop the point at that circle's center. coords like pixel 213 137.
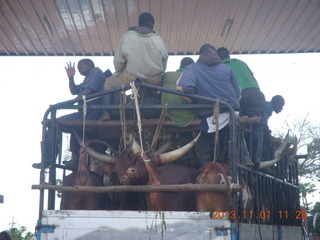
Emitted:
pixel 242 72
pixel 181 117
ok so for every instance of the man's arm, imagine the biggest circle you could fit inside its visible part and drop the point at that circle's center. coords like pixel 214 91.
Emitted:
pixel 186 84
pixel 86 92
pixel 119 61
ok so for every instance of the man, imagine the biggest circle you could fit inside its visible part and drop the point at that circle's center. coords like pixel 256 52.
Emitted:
pixel 92 83
pixel 210 78
pixel 252 101
pixel 140 54
pixel 180 117
pixel 275 105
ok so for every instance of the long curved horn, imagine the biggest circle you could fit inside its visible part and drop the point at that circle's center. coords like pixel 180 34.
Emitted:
pixel 164 147
pixel 94 154
pixel 175 154
pixel 277 154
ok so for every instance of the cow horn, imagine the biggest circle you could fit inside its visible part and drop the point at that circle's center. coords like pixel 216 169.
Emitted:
pixel 175 154
pixel 135 147
pixel 277 154
pixel 94 154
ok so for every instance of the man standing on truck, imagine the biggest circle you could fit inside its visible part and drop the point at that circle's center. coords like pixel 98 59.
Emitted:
pixel 140 54
pixel 252 102
pixel 92 83
pixel 275 105
pixel 210 78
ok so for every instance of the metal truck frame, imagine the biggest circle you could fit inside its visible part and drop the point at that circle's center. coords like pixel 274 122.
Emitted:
pixel 279 219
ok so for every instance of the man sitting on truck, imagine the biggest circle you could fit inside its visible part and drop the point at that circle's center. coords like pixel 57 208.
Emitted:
pixel 140 54
pixel 180 117
pixel 210 78
pixel 92 83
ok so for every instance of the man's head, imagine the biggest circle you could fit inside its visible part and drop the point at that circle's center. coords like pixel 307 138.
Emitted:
pixel 186 61
pixel 85 65
pixel 223 53
pixel 205 47
pixel 277 103
pixel 146 20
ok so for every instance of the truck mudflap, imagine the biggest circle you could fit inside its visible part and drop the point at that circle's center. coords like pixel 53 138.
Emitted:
pixel 119 225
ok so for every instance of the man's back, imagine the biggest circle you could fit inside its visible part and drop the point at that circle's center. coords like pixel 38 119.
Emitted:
pixel 144 53
pixel 242 72
pixel 217 82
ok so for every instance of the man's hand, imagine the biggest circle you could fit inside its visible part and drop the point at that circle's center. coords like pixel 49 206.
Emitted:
pixel 70 69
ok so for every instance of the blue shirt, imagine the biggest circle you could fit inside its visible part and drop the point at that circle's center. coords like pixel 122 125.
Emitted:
pixel 267 112
pixel 217 82
pixel 94 80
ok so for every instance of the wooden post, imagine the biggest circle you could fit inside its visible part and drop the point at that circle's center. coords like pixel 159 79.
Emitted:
pixel 142 188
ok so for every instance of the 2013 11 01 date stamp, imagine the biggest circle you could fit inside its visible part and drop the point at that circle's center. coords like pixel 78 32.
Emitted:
pixel 299 214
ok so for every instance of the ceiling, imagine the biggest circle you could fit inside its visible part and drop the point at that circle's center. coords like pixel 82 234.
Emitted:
pixel 94 27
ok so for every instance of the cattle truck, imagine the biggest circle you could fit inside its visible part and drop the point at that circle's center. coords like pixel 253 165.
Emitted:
pixel 272 211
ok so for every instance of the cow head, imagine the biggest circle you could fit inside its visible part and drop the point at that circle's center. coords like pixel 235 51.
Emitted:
pixel 139 172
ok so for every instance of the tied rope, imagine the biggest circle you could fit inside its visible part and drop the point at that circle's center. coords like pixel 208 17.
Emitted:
pixel 84 108
pixel 84 117
pixel 215 120
pixel 159 127
pixel 135 98
pixel 122 104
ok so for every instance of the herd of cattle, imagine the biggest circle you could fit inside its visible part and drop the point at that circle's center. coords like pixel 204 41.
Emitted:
pixel 156 169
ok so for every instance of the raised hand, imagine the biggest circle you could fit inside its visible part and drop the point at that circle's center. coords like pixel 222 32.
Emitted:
pixel 70 69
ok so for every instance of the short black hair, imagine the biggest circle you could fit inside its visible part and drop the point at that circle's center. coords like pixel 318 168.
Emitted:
pixel 146 19
pixel 88 61
pixel 223 53
pixel 186 61
pixel 278 99
pixel 205 47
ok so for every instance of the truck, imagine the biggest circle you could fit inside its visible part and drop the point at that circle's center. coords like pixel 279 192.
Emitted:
pixel 274 211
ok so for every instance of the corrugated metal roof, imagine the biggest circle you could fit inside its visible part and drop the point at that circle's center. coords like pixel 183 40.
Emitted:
pixel 84 27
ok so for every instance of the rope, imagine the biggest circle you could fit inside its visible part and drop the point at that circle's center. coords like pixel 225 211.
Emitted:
pixel 215 120
pixel 123 118
pixel 84 117
pixel 135 98
pixel 159 127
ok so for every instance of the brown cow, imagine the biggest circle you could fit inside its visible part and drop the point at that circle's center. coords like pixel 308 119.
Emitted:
pixel 83 177
pixel 214 173
pixel 219 173
pixel 157 170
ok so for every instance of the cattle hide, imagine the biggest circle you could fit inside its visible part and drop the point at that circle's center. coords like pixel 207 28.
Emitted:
pixel 85 200
pixel 171 201
pixel 214 173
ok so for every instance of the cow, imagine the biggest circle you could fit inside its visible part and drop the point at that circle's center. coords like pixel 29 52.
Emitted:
pixel 214 173
pixel 83 177
pixel 156 169
pixel 219 173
